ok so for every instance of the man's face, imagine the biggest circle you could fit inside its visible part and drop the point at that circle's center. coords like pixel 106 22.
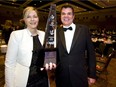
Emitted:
pixel 67 16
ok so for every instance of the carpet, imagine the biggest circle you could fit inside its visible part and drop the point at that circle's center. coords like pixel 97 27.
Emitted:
pixel 1 70
pixel 107 79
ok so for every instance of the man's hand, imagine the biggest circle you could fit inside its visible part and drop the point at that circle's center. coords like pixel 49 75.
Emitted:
pixel 91 81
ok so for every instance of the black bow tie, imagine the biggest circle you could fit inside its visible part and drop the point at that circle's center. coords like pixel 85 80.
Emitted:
pixel 65 29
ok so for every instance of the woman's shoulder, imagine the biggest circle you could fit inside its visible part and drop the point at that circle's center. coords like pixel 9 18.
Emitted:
pixel 19 31
pixel 18 34
pixel 40 32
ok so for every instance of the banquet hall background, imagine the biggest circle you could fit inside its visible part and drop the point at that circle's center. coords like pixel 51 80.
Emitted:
pixel 98 15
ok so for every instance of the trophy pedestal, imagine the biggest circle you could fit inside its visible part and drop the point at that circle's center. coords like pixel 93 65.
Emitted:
pixel 50 55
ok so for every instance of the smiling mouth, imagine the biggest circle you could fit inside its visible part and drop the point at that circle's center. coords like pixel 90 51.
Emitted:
pixel 32 23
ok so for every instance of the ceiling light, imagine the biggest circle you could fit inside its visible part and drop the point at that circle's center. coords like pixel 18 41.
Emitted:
pixel 13 0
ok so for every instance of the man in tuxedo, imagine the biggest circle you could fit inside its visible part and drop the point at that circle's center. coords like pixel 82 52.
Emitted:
pixel 76 63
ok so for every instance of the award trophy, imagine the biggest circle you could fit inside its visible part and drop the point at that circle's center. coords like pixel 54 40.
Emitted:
pixel 50 38
pixel 50 42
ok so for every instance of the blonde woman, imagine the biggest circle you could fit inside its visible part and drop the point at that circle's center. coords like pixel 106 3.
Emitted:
pixel 24 56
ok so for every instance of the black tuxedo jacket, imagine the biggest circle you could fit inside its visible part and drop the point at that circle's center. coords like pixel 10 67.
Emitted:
pixel 73 68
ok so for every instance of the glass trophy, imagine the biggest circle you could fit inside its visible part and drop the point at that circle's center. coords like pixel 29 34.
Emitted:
pixel 50 38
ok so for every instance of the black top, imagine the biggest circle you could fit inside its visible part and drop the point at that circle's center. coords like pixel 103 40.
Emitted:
pixel 37 78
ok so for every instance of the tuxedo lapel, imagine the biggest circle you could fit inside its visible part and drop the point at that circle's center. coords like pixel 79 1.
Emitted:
pixel 76 35
pixel 61 35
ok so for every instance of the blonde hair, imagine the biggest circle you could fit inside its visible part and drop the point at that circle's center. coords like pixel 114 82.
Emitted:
pixel 29 8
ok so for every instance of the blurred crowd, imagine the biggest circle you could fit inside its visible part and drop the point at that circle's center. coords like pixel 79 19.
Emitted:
pixel 8 27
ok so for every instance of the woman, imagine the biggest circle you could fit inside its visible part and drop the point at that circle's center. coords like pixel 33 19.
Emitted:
pixel 24 56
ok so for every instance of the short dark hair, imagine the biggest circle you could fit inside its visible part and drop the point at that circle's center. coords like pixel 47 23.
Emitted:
pixel 67 6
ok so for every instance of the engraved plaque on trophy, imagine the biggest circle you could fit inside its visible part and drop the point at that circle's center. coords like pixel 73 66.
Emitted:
pixel 50 38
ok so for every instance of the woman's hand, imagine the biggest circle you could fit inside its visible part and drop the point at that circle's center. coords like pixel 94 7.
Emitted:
pixel 49 66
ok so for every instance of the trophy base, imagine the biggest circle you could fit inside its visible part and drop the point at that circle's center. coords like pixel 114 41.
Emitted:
pixel 50 55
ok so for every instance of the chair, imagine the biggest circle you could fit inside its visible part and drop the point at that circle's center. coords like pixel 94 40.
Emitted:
pixel 102 64
pixel 100 48
pixel 108 49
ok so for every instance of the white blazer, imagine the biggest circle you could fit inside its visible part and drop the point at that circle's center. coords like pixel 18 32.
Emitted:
pixel 18 57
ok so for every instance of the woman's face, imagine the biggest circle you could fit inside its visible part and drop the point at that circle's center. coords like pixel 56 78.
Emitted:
pixel 31 19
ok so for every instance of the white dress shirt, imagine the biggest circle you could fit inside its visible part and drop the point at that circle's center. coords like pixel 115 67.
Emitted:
pixel 69 36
